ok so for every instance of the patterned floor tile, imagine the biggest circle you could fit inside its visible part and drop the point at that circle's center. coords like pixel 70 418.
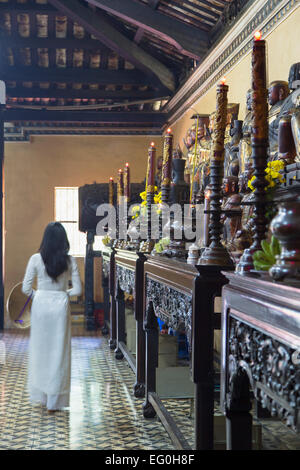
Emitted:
pixel 103 412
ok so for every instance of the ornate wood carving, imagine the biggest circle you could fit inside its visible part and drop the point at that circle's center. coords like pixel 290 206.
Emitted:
pixel 170 305
pixel 272 369
pixel 126 279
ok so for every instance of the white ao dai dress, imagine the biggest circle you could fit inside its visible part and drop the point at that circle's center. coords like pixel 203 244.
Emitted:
pixel 49 367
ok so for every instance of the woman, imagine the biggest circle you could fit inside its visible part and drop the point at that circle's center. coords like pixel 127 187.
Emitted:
pixel 49 371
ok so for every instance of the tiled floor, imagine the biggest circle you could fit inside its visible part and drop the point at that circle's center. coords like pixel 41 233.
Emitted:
pixel 103 413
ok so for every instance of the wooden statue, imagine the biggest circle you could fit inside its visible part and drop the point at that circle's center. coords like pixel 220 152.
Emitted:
pixel 245 142
pixel 231 162
pixel 232 221
pixel 289 106
pixel 278 91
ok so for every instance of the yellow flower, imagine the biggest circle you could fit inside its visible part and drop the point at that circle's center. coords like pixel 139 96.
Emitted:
pixel 136 209
pixel 143 195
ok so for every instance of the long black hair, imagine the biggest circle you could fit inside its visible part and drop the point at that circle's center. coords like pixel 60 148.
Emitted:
pixel 54 250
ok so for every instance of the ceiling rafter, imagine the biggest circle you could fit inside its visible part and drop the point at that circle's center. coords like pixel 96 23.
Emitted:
pixel 31 115
pixel 190 41
pixel 69 75
pixel 34 92
pixel 102 29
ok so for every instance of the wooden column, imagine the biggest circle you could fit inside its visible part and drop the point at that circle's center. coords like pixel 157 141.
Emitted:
pixel 2 216
pixel 89 283
pixel 151 329
pixel 139 386
pixel 120 315
pixel 113 320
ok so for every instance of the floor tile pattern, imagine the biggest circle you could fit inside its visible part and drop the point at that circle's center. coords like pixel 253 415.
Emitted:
pixel 103 412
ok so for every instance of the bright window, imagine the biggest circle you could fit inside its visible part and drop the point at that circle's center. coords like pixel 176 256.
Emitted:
pixel 66 212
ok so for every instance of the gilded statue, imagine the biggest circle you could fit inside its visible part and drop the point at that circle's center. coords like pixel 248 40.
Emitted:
pixel 197 161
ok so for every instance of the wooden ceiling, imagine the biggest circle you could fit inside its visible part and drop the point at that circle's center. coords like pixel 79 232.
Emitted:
pixel 107 61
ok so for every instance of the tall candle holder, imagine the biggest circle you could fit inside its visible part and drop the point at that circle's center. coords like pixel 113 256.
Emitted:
pixel 127 182
pixel 166 176
pixel 148 245
pixel 120 201
pixel 216 253
pixel 259 144
pixel 167 167
pixel 111 191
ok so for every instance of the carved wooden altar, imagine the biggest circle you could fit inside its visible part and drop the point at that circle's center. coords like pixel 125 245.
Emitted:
pixel 260 352
pixel 177 292
pixel 129 266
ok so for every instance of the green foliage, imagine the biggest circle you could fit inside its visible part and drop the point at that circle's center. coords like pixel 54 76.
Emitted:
pixel 161 245
pixel 264 259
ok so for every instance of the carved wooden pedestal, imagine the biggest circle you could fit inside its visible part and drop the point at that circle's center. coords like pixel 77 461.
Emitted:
pixel 260 352
pixel 129 279
pixel 177 292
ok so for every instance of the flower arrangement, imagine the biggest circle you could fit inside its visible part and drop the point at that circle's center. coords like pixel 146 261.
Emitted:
pixel 273 175
pixel 140 210
pixel 274 178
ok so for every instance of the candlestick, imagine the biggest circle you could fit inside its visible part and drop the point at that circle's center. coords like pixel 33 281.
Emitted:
pixel 111 191
pixel 167 166
pixel 127 181
pixel 216 253
pixel 259 144
pixel 147 246
pixel 151 168
pixel 194 161
pixel 120 185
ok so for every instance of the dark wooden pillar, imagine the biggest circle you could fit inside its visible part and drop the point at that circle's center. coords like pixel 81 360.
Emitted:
pixel 120 314
pixel 89 283
pixel 238 416
pixel 106 305
pixel 1 216
pixel 113 321
pixel 139 386
pixel 207 285
pixel 151 329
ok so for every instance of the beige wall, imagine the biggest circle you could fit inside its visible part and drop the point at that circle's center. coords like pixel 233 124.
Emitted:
pixel 283 50
pixel 32 170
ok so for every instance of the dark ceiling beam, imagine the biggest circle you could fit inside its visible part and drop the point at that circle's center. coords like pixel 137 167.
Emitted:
pixel 153 3
pixel 214 10
pixel 22 92
pixel 190 41
pixel 29 115
pixel 27 8
pixel 200 14
pixel 53 43
pixel 102 29
pixel 78 75
pixel 139 35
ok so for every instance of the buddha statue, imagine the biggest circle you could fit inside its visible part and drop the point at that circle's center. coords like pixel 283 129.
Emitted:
pixel 245 149
pixel 289 106
pixel 243 237
pixel 232 221
pixel 198 161
pixel 278 91
pixel 158 176
pixel 231 160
